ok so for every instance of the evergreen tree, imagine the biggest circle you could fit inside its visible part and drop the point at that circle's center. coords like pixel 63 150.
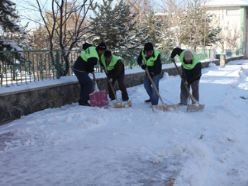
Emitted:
pixel 156 29
pixel 152 27
pixel 8 16
pixel 115 25
pixel 166 37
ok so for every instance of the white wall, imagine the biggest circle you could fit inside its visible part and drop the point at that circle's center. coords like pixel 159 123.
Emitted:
pixel 229 19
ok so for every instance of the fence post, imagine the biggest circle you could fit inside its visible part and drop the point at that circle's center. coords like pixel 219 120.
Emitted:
pixel 222 60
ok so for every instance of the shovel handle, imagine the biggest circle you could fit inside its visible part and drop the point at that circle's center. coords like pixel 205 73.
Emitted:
pixel 110 83
pixel 94 78
pixel 154 86
pixel 184 84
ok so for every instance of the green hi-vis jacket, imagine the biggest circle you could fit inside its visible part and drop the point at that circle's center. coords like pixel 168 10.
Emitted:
pixel 89 53
pixel 190 66
pixel 150 62
pixel 112 63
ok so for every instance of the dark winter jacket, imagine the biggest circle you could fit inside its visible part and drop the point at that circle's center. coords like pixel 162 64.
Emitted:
pixel 190 75
pixel 117 71
pixel 88 64
pixel 154 70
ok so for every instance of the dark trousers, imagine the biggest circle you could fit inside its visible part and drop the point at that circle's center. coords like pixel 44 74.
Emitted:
pixel 184 95
pixel 86 86
pixel 122 88
pixel 150 90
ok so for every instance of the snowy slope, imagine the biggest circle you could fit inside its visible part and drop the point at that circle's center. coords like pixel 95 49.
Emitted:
pixel 76 145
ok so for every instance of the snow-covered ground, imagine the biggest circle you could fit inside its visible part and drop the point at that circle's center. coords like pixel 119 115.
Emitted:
pixel 75 145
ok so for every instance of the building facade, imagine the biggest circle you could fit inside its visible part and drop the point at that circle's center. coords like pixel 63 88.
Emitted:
pixel 232 18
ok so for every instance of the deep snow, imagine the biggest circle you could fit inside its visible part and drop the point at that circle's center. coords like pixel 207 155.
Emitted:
pixel 75 145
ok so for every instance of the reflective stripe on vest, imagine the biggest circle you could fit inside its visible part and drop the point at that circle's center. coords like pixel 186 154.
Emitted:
pixel 188 66
pixel 88 53
pixel 112 63
pixel 150 61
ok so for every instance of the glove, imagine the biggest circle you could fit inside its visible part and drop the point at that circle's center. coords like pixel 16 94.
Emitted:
pixel 143 67
pixel 185 82
pixel 151 74
pixel 108 75
pixel 110 80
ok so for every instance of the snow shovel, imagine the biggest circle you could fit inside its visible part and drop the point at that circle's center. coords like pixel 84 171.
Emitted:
pixel 190 107
pixel 98 98
pixel 163 106
pixel 117 104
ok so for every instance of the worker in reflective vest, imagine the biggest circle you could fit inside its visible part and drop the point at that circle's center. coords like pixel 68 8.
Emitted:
pixel 191 74
pixel 149 58
pixel 84 65
pixel 115 71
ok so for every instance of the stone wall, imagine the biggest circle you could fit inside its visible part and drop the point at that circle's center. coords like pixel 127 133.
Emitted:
pixel 16 104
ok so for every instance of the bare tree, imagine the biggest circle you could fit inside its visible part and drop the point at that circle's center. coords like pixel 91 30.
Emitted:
pixel 65 26
pixel 229 39
pixel 190 23
pixel 232 39
pixel 174 11
pixel 140 8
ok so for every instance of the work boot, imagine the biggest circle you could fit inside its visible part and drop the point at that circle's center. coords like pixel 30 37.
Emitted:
pixel 148 101
pixel 82 103
pixel 127 103
pixel 182 104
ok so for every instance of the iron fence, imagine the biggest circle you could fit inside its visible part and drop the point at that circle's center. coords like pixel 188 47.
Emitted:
pixel 18 67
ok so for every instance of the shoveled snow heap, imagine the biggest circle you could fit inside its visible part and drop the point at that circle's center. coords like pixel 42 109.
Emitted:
pixel 76 145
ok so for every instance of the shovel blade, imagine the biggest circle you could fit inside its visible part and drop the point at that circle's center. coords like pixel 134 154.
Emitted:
pixel 98 98
pixel 122 104
pixel 165 107
pixel 195 107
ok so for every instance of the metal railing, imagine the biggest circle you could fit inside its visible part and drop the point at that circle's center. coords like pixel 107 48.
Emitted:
pixel 18 67
pixel 29 66
pixel 211 53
